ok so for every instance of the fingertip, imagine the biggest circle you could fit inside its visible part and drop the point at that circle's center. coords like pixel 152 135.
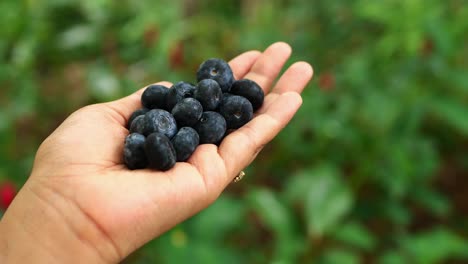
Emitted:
pixel 248 55
pixel 269 64
pixel 295 79
pixel 253 53
pixel 281 46
pixel 242 64
pixel 304 67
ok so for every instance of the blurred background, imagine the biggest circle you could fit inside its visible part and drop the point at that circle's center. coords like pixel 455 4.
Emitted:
pixel 373 169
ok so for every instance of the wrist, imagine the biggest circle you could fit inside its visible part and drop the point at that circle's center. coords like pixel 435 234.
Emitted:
pixel 39 227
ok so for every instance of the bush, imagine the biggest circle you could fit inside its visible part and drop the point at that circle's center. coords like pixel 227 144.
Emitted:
pixel 372 167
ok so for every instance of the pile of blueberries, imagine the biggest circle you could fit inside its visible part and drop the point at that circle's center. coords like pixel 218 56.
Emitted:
pixel 173 122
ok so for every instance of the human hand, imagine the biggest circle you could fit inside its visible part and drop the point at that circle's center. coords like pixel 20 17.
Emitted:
pixel 81 204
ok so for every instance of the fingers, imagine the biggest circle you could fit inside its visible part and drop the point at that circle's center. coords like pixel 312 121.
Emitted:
pixel 269 64
pixel 241 147
pixel 126 106
pixel 260 67
pixel 242 64
pixel 294 79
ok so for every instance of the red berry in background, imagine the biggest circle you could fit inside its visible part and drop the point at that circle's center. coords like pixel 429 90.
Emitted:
pixel 427 47
pixel 326 81
pixel 151 36
pixel 7 193
pixel 176 55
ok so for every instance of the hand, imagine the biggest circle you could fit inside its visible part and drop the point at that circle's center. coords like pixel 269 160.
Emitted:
pixel 82 204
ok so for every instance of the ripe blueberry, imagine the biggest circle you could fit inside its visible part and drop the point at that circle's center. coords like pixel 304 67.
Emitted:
pixel 160 152
pixel 185 142
pixel 158 120
pixel 134 151
pixel 187 112
pixel 209 94
pixel 218 70
pixel 177 93
pixel 154 96
pixel 138 125
pixel 237 111
pixel 250 90
pixel 134 115
pixel 211 127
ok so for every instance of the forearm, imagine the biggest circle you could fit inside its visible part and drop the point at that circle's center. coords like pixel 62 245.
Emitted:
pixel 34 230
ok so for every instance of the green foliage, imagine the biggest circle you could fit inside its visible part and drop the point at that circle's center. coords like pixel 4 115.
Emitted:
pixel 434 246
pixel 355 235
pixel 372 168
pixel 325 198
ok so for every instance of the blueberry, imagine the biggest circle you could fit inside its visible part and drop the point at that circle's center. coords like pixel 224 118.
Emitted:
pixel 218 70
pixel 154 96
pixel 185 142
pixel 135 114
pixel 160 152
pixel 138 125
pixel 177 93
pixel 209 94
pixel 158 120
pixel 211 127
pixel 187 112
pixel 237 111
pixel 227 95
pixel 250 90
pixel 134 151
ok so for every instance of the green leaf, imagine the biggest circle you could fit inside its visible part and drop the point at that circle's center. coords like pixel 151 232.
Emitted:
pixel 396 212
pixel 435 246
pixel 327 200
pixel 77 36
pixel 432 200
pixel 355 234
pixel 224 215
pixel 271 210
pixel 340 256
pixel 178 246
pixel 297 186
pixel 392 257
pixel 452 112
pixel 276 216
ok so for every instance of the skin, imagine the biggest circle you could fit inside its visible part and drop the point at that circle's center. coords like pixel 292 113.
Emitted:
pixel 81 205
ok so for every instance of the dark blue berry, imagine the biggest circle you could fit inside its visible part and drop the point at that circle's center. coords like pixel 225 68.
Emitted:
pixel 135 114
pixel 158 120
pixel 160 152
pixel 154 96
pixel 138 125
pixel 185 142
pixel 187 112
pixel 211 127
pixel 218 70
pixel 237 111
pixel 209 94
pixel 227 95
pixel 250 90
pixel 134 152
pixel 177 93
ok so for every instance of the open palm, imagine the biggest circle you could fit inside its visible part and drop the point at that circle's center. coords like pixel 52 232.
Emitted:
pixel 79 168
